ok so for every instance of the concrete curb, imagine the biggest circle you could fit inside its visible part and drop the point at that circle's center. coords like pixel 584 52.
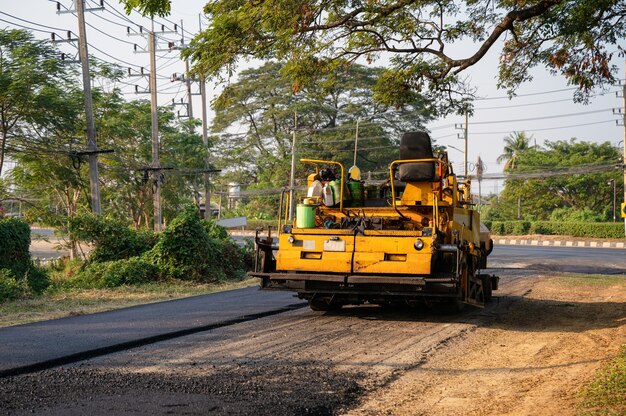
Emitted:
pixel 558 243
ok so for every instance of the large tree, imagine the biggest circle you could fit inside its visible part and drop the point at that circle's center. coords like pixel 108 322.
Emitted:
pixel 566 176
pixel 34 89
pixel 514 144
pixel 575 38
pixel 262 108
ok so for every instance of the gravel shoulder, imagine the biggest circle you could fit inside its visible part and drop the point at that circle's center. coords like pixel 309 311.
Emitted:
pixel 528 352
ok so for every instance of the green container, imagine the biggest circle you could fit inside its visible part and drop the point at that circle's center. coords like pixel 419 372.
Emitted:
pixel 305 216
pixel 356 192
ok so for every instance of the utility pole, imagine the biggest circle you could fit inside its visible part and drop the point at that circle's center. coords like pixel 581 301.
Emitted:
pixel 614 184
pixel 624 123
pixel 187 77
pixel 155 167
pixel 292 178
pixel 465 137
pixel 480 169
pixel 91 129
pixel 464 127
pixel 157 175
pixel 205 141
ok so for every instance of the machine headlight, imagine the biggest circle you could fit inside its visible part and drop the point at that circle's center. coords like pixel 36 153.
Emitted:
pixel 291 239
pixel 419 244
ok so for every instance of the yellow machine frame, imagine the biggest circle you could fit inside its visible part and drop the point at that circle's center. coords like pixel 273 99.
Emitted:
pixel 434 254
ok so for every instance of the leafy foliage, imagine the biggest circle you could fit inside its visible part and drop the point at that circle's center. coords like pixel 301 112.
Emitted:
pixel 10 287
pixel 14 246
pixel 574 229
pixel 576 38
pixel 112 239
pixel 19 274
pixel 568 178
pixel 215 231
pixel 185 251
pixel 514 144
pixel 108 274
pixel 34 85
pixel 262 105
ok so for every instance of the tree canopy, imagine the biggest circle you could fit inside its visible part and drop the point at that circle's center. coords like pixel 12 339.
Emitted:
pixel 261 108
pixel 35 91
pixel 563 180
pixel 429 42
pixel 514 144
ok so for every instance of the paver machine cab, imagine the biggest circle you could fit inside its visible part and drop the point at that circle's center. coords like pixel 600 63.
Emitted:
pixel 414 238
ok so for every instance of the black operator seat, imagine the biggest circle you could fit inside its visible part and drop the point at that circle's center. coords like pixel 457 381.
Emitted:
pixel 416 145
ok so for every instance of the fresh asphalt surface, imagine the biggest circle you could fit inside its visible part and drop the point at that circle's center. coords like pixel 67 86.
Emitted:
pixel 40 345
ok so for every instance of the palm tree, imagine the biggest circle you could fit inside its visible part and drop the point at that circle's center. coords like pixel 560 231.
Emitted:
pixel 514 144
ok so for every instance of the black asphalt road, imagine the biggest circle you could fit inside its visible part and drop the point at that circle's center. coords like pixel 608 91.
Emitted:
pixel 563 259
pixel 39 345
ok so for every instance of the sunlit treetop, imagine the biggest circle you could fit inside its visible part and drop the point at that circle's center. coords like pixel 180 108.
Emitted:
pixel 428 43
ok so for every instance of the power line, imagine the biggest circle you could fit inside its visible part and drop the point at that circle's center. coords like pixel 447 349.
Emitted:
pixel 25 27
pixel 549 128
pixel 539 103
pixel 33 23
pixel 107 34
pixel 542 118
pixel 525 95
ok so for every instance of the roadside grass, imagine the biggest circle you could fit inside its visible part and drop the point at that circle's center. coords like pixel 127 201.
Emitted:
pixel 61 300
pixel 606 395
pixel 579 279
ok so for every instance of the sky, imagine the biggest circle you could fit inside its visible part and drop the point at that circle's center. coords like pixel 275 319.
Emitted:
pixel 544 107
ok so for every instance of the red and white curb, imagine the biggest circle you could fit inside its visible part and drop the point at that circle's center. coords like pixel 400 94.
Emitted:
pixel 558 243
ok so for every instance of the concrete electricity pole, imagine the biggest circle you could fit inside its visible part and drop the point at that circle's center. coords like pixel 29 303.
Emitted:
pixel 624 123
pixel 465 137
pixel 205 141
pixel 187 76
pixel 464 127
pixel 91 129
pixel 292 178
pixel 156 164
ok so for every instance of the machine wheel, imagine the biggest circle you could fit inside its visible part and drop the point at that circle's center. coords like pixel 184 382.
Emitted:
pixel 456 305
pixel 487 289
pixel 321 305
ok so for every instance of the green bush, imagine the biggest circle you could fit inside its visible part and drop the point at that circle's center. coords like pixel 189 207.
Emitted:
pixel 574 229
pixel 37 279
pixel 14 246
pixel 214 230
pixel 571 215
pixel 10 287
pixel 116 273
pixel 188 249
pixel 185 250
pixel 112 239
pixel 510 227
pixel 580 229
pixel 235 260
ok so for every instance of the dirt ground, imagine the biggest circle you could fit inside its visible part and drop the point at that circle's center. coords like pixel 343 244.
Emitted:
pixel 527 353
pixel 533 359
